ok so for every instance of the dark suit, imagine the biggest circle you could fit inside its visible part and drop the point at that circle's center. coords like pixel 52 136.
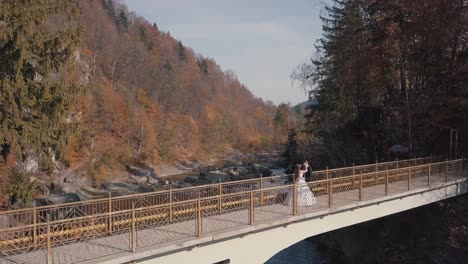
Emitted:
pixel 308 174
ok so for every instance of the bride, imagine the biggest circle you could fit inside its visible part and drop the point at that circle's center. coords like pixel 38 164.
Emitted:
pixel 304 195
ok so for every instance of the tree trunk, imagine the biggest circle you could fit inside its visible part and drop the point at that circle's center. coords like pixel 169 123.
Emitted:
pixel 408 114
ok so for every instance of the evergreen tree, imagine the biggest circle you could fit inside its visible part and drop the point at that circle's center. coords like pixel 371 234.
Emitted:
pixel 109 6
pixel 290 153
pixel 203 64
pixel 393 57
pixel 155 26
pixel 33 99
pixel 167 66
pixel 149 44
pixel 20 190
pixel 181 51
pixel 122 21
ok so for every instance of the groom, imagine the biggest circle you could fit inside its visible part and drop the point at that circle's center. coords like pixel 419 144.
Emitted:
pixel 308 174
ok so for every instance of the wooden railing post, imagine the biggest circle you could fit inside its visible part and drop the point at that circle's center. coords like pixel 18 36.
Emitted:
pixel 171 200
pixel 261 189
pixel 429 176
pixel 109 205
pixel 220 192
pixel 34 222
pixel 330 193
pixel 354 178
pixel 199 219
pixel 294 198
pixel 446 170
pixel 49 246
pixel 360 188
pixel 461 166
pixel 326 170
pixel 409 179
pixel 386 183
pixel 134 235
pixel 376 171
pixel 451 135
pixel 251 208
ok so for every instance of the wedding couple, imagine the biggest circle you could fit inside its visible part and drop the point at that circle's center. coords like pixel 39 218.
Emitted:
pixel 304 196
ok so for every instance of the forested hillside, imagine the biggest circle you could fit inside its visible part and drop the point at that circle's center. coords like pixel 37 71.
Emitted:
pixel 137 95
pixel 388 73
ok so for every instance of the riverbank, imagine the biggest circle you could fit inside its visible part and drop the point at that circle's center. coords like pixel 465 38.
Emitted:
pixel 139 178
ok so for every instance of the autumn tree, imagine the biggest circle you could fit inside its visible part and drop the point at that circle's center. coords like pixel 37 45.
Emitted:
pixel 150 99
pixel 281 122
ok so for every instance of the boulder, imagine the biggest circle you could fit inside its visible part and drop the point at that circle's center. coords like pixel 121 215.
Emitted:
pixel 233 171
pixel 186 185
pixel 265 172
pixel 106 186
pixel 139 179
pixel 31 165
pixel 217 176
pixel 40 202
pixel 152 180
pixel 110 186
pixel 141 171
pixel 44 189
pixel 65 198
pixel 68 188
pixel 191 179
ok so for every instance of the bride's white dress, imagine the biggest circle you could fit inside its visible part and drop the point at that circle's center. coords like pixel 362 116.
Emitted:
pixel 305 197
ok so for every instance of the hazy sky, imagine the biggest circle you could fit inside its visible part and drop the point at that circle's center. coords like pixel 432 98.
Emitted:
pixel 262 41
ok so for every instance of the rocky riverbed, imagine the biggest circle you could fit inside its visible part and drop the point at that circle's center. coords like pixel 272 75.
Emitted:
pixel 144 178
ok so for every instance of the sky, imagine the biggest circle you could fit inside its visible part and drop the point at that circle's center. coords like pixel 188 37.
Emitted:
pixel 262 41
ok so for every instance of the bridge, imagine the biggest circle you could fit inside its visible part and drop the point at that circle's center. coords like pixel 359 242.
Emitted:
pixel 235 222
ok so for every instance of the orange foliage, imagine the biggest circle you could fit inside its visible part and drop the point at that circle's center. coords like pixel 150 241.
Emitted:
pixel 146 104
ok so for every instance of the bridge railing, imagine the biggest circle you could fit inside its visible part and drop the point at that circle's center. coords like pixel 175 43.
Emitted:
pixel 40 214
pixel 177 220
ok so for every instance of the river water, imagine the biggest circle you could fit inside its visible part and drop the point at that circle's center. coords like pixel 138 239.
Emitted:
pixel 304 252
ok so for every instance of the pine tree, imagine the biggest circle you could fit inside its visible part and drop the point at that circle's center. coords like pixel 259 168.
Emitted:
pixel 109 6
pixel 20 190
pixel 339 74
pixel 33 99
pixel 122 21
pixel 181 51
pixel 290 153
pixel 203 64
pixel 393 57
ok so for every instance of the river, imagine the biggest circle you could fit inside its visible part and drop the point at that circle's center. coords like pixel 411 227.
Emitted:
pixel 300 253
